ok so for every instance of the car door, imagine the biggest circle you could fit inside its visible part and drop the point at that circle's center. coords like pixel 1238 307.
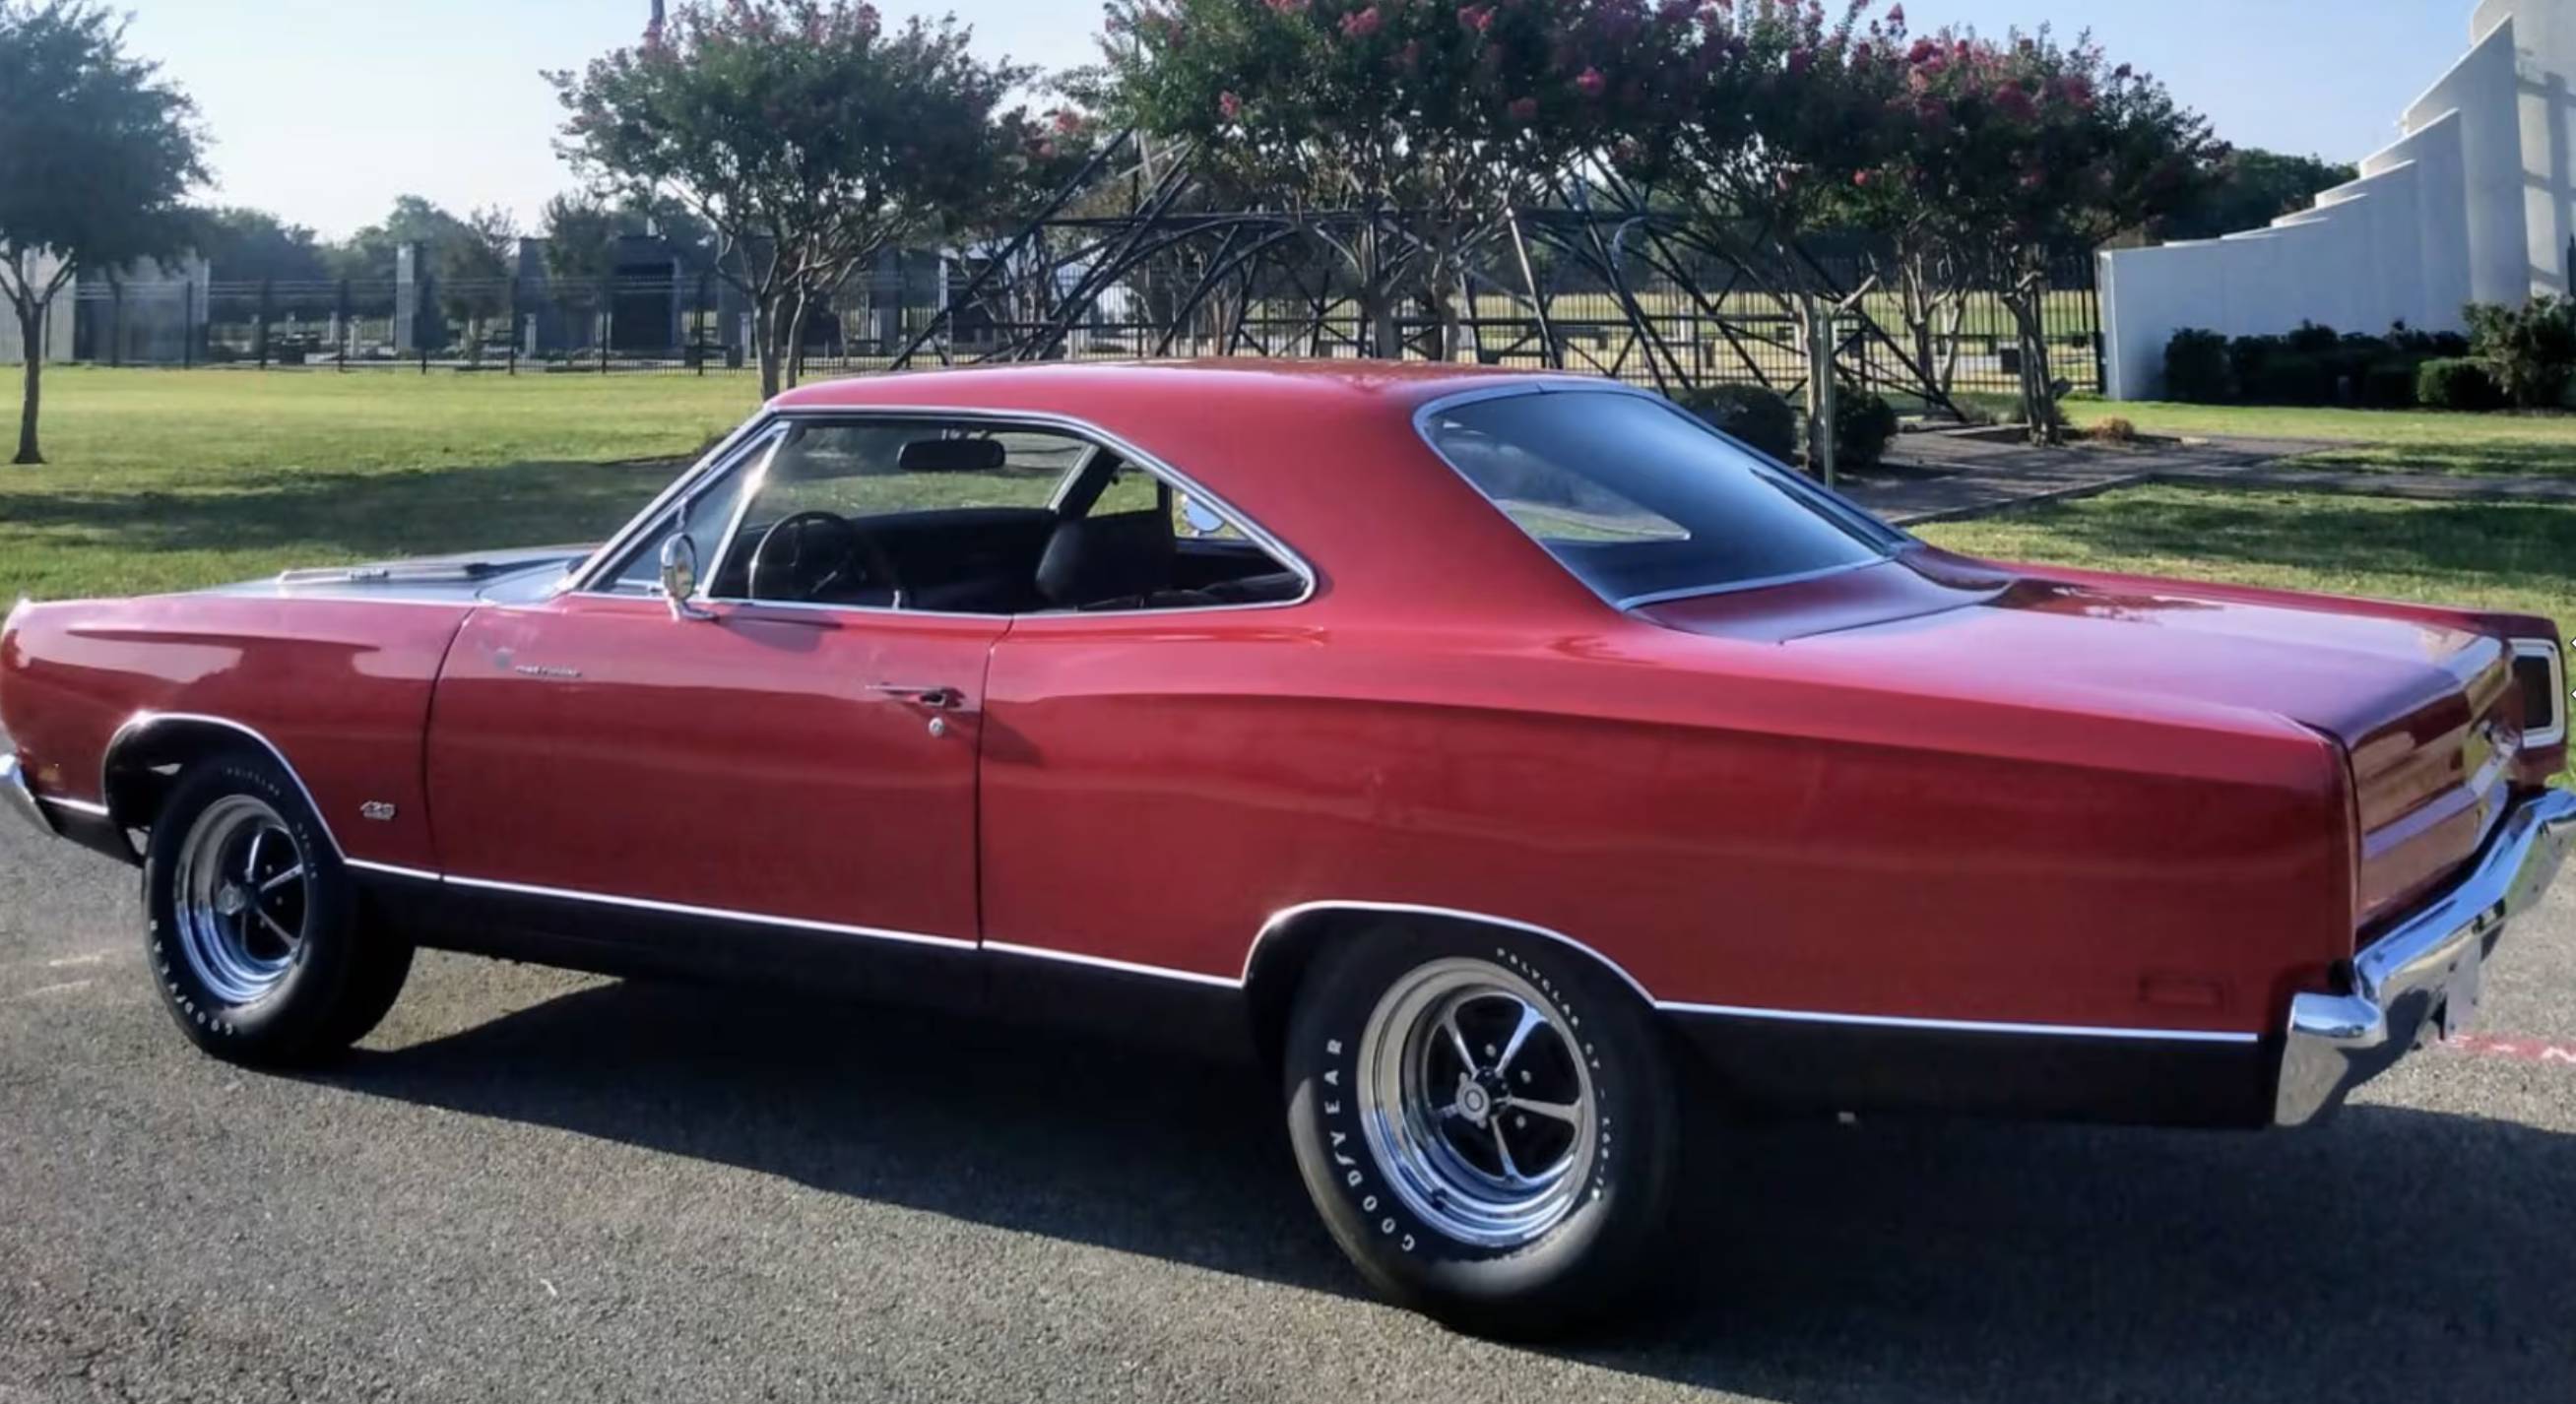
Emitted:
pixel 793 753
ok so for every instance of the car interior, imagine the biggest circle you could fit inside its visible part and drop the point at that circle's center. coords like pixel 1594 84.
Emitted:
pixel 1044 524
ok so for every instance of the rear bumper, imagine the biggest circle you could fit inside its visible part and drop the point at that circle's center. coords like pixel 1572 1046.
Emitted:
pixel 20 799
pixel 86 824
pixel 2410 981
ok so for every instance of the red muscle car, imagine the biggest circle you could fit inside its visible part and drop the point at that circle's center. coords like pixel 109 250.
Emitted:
pixel 1501 755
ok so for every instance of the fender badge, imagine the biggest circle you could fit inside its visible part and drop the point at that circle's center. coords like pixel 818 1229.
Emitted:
pixel 376 809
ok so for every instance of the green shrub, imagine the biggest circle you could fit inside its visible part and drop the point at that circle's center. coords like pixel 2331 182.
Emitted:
pixel 1759 417
pixel 2531 349
pixel 2286 377
pixel 2457 383
pixel 2388 384
pixel 1863 423
pixel 2196 367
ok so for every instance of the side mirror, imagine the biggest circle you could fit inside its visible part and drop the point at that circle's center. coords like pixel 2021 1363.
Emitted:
pixel 680 576
pixel 1203 522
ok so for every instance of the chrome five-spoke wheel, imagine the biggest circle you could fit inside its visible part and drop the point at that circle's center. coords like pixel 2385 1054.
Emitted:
pixel 244 899
pixel 1474 1095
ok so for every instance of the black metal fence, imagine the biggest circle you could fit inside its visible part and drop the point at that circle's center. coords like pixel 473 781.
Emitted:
pixel 1656 326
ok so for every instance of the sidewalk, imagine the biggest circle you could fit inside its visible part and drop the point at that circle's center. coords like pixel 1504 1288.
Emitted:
pixel 1935 476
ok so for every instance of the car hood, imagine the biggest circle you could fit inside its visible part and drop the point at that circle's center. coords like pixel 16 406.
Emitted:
pixel 468 578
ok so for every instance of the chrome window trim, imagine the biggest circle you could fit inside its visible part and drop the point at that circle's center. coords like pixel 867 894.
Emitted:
pixel 749 449
pixel 1833 505
pixel 1099 437
pixel 565 894
pixel 81 807
pixel 1693 592
pixel 2556 731
pixel 583 578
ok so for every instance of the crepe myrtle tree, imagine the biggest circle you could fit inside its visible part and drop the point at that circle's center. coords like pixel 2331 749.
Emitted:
pixel 807 134
pixel 96 153
pixel 1430 118
pixel 1754 118
pixel 2023 149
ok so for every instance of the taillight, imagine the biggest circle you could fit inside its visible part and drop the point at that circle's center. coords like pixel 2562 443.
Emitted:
pixel 2540 673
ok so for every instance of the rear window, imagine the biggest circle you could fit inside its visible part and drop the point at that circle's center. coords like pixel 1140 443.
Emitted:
pixel 1642 501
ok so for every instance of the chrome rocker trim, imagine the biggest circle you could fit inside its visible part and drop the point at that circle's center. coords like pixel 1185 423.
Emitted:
pixel 2336 1042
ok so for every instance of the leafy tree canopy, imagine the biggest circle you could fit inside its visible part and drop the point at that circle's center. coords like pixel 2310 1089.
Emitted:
pixel 97 151
pixel 806 134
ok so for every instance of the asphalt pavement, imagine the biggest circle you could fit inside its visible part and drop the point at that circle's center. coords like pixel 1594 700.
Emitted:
pixel 530 1185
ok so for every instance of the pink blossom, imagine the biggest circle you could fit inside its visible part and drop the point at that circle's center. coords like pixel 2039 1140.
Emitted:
pixel 1229 106
pixel 1896 17
pixel 1861 179
pixel 1591 82
pixel 1410 54
pixel 1800 60
pixel 1361 24
pixel 1476 17
pixel 1924 51
pixel 2012 101
pixel 1524 109
pixel 1067 122
pixel 1288 7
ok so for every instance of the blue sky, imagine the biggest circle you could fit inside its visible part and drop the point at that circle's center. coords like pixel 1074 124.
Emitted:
pixel 324 110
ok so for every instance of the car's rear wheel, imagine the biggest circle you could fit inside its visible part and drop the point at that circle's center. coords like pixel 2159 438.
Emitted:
pixel 252 923
pixel 1487 1123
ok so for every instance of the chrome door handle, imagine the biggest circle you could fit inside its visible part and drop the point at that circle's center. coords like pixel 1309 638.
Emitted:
pixel 945 698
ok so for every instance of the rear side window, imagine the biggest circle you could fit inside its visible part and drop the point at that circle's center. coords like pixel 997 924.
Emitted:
pixel 1643 502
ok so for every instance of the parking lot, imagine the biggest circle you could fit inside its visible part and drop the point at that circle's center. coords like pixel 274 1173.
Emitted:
pixel 531 1185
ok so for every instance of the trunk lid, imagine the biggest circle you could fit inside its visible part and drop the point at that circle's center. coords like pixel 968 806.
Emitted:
pixel 2428 712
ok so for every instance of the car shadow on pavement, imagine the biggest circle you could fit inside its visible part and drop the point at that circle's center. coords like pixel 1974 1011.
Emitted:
pixel 2393 1253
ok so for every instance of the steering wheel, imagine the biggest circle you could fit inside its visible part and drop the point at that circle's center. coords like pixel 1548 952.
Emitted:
pixel 790 564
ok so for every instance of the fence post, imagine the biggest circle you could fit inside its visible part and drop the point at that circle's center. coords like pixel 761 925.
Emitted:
pixel 187 324
pixel 116 321
pixel 607 320
pixel 340 349
pixel 698 325
pixel 259 323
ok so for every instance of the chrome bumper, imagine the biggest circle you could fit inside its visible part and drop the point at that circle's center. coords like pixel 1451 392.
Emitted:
pixel 2411 979
pixel 21 798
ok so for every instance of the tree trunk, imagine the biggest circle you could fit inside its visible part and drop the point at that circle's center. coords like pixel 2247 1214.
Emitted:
pixel 765 339
pixel 2038 393
pixel 796 338
pixel 31 336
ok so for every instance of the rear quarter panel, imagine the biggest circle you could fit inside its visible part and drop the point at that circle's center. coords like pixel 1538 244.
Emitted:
pixel 340 688
pixel 1767 834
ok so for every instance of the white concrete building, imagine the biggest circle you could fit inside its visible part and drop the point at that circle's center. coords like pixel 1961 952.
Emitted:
pixel 2476 202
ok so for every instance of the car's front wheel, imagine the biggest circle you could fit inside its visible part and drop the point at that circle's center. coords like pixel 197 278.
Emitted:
pixel 252 923
pixel 1487 1123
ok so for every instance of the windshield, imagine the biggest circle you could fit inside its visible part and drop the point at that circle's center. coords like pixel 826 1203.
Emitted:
pixel 1644 502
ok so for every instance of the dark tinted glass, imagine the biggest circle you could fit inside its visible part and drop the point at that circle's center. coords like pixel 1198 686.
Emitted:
pixel 1641 501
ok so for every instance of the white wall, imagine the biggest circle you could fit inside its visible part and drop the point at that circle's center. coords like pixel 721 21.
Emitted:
pixel 2474 202
pixel 58 327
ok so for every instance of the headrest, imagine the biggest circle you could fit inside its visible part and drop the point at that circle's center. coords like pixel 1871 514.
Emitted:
pixel 1107 558
pixel 951 456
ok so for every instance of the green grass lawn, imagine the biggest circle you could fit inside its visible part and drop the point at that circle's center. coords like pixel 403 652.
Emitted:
pixel 164 479
pixel 2508 555
pixel 2421 441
